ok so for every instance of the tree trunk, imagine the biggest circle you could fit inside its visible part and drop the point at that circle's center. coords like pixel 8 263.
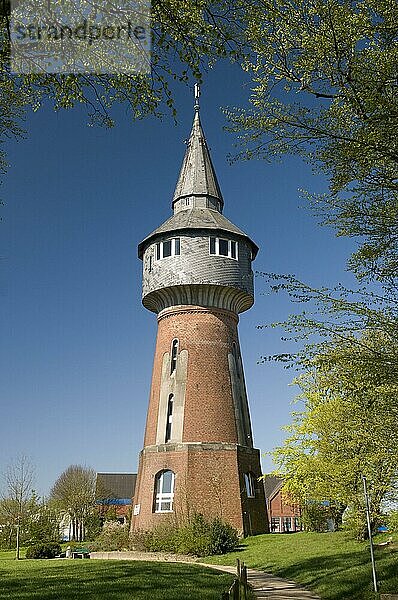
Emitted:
pixel 17 543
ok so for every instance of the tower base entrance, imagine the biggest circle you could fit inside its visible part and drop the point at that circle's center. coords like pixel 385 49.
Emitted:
pixel 213 479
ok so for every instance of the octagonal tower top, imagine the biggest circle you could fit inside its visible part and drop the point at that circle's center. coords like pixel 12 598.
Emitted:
pixel 197 257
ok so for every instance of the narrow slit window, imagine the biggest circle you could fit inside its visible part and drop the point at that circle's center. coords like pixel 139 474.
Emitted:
pixel 174 355
pixel 236 357
pixel 169 421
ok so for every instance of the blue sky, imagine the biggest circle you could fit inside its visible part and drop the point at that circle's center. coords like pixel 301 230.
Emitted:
pixel 77 345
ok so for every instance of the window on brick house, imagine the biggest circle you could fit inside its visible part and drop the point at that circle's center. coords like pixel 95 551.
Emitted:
pixel 168 248
pixel 287 524
pixel 169 420
pixel 164 491
pixel 275 524
pixel 223 247
pixel 173 357
pixel 250 485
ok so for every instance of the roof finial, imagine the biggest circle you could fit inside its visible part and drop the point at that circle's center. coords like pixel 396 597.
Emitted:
pixel 197 94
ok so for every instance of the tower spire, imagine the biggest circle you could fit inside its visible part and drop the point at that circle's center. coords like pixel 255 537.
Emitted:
pixel 197 185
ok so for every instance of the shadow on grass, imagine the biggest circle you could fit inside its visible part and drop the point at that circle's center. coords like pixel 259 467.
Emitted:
pixel 350 573
pixel 93 580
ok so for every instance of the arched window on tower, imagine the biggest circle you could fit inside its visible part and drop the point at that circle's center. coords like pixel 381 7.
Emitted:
pixel 169 421
pixel 250 485
pixel 174 354
pixel 164 491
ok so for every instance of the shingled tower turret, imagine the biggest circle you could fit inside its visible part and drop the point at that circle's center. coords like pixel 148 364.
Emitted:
pixel 198 453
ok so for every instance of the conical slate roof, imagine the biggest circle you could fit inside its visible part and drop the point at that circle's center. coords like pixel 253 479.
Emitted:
pixel 197 178
pixel 197 175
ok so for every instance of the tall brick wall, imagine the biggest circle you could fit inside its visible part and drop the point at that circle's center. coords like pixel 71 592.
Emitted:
pixel 206 453
pixel 208 336
pixel 209 479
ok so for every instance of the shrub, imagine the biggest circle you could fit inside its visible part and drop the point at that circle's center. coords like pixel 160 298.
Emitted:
pixel 392 521
pixel 198 536
pixel 314 517
pixel 114 536
pixel 162 538
pixel 195 537
pixel 224 538
pixel 44 550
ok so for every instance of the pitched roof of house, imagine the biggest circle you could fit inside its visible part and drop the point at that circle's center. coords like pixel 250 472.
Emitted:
pixel 115 485
pixel 272 484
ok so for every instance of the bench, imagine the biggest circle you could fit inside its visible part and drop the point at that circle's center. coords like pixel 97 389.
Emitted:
pixel 81 553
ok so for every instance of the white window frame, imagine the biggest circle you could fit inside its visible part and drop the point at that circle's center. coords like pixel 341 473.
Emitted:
pixel 159 246
pixel 217 247
pixel 174 355
pixel 164 497
pixel 250 485
pixel 287 524
pixel 169 417
pixel 276 525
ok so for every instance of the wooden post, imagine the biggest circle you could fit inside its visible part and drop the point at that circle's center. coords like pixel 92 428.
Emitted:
pixel 236 595
pixel 244 581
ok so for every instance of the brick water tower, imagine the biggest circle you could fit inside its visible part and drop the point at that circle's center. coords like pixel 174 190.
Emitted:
pixel 198 453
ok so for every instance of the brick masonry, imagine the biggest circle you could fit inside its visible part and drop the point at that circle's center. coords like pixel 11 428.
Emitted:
pixel 207 457
pixel 209 479
pixel 198 422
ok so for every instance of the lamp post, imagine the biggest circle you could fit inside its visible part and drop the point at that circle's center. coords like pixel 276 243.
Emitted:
pixel 372 557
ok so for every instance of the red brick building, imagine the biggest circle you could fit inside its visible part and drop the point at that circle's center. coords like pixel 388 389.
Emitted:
pixel 114 494
pixel 283 517
pixel 198 453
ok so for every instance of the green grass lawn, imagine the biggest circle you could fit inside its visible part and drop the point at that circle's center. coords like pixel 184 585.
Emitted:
pixel 330 564
pixel 107 580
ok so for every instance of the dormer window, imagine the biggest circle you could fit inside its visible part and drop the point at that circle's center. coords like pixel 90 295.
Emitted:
pixel 168 248
pixel 223 247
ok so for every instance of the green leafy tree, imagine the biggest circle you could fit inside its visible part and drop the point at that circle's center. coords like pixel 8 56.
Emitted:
pixel 73 494
pixel 187 37
pixel 336 314
pixel 43 525
pixel 348 428
pixel 325 84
